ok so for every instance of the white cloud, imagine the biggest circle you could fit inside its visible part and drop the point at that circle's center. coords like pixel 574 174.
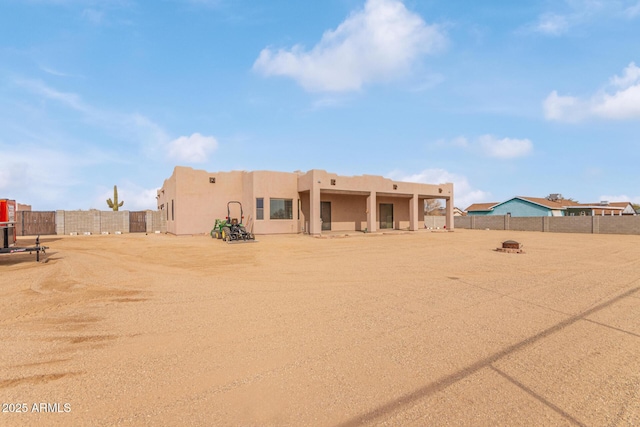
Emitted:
pixel 624 104
pixel 329 102
pixel 27 174
pixel 377 43
pixel 620 198
pixel 207 3
pixel 460 141
pixel 194 149
pixel 152 137
pixel 135 127
pixel 429 81
pixel 619 100
pixel 505 148
pixel 630 77
pixel 633 11
pixel 569 14
pixel 464 193
pixel 491 146
pixel 71 100
pixel 57 73
pixel 552 24
pixel 93 16
pixel 563 108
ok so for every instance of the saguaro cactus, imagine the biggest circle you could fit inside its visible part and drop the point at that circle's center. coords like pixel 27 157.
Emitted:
pixel 114 204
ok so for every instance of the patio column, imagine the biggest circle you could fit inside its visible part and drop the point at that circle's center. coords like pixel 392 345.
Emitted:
pixel 414 213
pixel 315 225
pixel 449 220
pixel 371 212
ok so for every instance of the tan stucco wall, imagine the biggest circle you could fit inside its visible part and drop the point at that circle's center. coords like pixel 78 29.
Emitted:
pixel 197 202
pixel 348 213
pixel 368 182
pixel 304 211
pixel 400 211
pixel 277 185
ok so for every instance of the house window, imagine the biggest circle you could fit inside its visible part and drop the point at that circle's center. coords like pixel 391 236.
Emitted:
pixel 172 212
pixel 259 208
pixel 281 209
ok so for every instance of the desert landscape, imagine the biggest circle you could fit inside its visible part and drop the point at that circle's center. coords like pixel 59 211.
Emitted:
pixel 411 329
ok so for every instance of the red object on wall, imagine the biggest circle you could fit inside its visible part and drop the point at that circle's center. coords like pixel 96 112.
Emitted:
pixel 8 217
pixel 7 210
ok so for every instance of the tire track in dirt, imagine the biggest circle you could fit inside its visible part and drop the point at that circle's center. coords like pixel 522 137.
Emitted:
pixel 445 382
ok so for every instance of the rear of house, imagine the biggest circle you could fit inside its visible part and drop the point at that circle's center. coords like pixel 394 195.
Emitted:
pixel 296 202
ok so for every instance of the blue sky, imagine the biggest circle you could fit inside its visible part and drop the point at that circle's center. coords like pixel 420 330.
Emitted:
pixel 502 98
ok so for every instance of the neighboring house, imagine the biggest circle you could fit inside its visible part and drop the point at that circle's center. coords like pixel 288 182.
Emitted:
pixel 534 206
pixel 480 208
pixel 518 207
pixel 443 211
pixel 456 212
pixel 297 202
pixel 627 207
pixel 602 208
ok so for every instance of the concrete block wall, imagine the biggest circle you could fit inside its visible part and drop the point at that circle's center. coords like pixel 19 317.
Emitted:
pixel 435 222
pixel 112 221
pixel 492 222
pixel 526 223
pixel 81 222
pixel 156 221
pixel 462 221
pixel 619 224
pixel 571 224
pixel 565 224
pixel 60 223
pixel 96 222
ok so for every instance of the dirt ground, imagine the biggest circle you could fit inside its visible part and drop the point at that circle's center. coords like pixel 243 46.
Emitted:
pixel 407 329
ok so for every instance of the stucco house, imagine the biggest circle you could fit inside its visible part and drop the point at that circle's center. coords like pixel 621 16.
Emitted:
pixel 535 206
pixel 296 202
pixel 601 208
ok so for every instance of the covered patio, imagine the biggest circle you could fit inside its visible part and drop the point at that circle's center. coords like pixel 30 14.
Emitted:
pixel 366 203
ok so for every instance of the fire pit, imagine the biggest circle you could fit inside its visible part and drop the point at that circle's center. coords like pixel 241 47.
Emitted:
pixel 511 246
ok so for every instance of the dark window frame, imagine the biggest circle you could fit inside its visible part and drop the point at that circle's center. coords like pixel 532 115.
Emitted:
pixel 277 211
pixel 259 208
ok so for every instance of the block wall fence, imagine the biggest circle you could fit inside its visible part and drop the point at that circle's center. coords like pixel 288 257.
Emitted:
pixel 561 224
pixel 98 222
